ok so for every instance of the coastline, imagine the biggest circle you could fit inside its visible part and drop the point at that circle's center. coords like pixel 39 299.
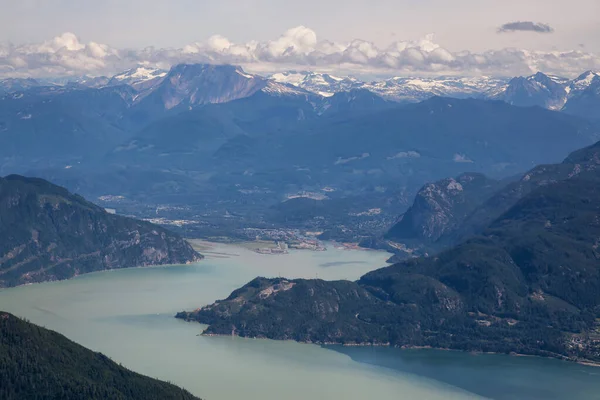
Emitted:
pixel 78 275
pixel 202 246
pixel 585 362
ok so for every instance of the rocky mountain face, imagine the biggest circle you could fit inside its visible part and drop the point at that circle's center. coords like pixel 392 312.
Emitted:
pixel 442 206
pixel 585 160
pixel 196 84
pixel 576 97
pixel 528 283
pixel 584 98
pixel 536 90
pixel 38 363
pixel 443 215
pixel 47 233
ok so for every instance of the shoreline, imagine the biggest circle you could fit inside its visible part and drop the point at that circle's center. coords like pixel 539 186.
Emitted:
pixel 189 263
pixel 205 254
pixel 585 362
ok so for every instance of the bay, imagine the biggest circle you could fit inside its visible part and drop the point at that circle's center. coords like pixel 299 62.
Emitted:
pixel 129 316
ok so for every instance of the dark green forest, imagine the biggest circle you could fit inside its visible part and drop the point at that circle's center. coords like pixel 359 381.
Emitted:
pixel 36 364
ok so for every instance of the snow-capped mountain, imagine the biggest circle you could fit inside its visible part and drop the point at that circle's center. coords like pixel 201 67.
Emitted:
pixel 582 82
pixel 282 89
pixel 140 78
pixel 323 84
pixel 395 89
pixel 190 85
pixel 578 96
pixel 535 90
pixel 584 96
pixel 196 84
pixel 419 89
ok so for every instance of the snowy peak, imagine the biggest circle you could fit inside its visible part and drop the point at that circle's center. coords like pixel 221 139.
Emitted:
pixel 584 96
pixel 396 89
pixel 583 81
pixel 323 84
pixel 140 74
pixel 418 89
pixel 289 77
pixel 275 88
pixel 139 78
pixel 536 90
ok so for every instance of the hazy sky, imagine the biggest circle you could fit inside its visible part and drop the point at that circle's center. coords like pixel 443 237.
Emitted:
pixel 458 24
pixel 470 25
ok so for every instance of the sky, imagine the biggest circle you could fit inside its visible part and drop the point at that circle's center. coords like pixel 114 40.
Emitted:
pixel 389 37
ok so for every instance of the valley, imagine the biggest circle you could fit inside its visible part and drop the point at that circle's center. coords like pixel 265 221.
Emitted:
pixel 213 150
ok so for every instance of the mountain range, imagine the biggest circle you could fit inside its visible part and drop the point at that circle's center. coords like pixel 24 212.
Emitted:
pixel 526 280
pixel 213 140
pixel 186 82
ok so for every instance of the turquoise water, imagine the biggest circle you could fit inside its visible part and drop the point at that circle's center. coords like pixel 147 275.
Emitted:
pixel 128 315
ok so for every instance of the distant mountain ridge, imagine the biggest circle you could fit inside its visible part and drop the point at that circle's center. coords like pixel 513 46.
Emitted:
pixel 540 89
pixel 399 89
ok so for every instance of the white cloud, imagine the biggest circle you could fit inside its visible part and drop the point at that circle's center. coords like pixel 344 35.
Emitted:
pixel 296 48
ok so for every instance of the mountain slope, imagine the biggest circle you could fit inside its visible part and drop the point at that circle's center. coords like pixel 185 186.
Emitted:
pixel 584 160
pixel 46 233
pixel 12 85
pixel 584 98
pixel 36 363
pixel 442 206
pixel 447 212
pixel 530 283
pixel 60 127
pixel 353 101
pixel 189 139
pixel 196 84
pixel 262 149
pixel 535 90
pixel 422 142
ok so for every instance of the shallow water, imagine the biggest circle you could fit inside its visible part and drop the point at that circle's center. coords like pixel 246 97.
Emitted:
pixel 128 315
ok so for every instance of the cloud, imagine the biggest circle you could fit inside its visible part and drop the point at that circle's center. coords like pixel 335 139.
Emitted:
pixel 297 48
pixel 525 26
